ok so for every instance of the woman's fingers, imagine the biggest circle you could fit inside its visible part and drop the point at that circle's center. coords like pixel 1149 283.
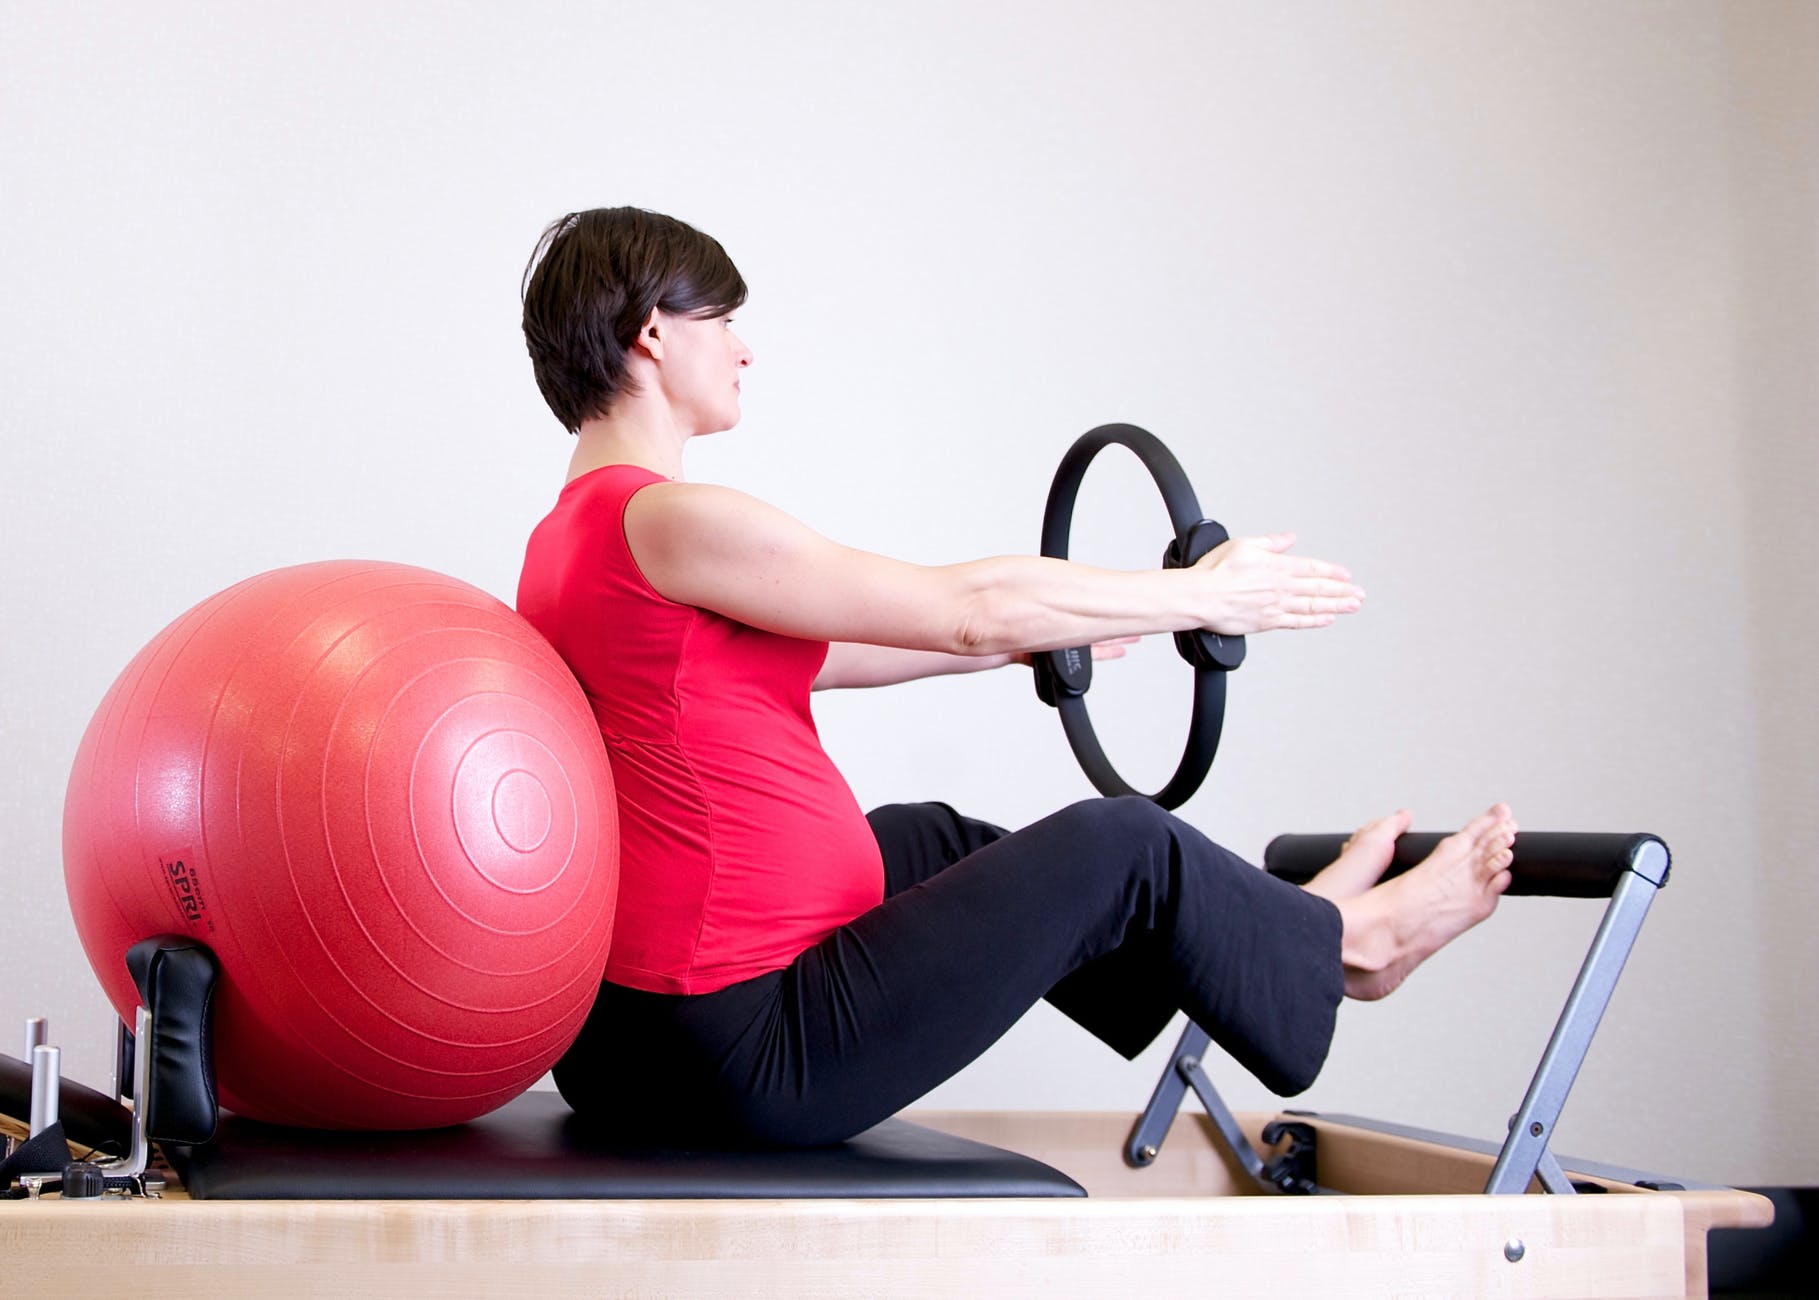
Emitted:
pixel 1113 648
pixel 1334 588
pixel 1265 589
pixel 1311 568
pixel 1274 547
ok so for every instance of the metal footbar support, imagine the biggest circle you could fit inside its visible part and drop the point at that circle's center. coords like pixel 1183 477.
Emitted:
pixel 1628 869
pixel 1525 1151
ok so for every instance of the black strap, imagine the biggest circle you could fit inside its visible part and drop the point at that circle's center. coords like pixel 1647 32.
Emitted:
pixel 46 1153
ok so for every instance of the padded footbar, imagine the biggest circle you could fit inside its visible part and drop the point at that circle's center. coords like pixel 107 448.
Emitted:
pixel 176 976
pixel 1561 864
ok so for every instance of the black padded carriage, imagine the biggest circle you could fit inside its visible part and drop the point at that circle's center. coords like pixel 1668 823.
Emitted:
pixel 533 1148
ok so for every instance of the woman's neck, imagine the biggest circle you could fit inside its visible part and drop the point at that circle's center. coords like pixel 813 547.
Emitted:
pixel 630 437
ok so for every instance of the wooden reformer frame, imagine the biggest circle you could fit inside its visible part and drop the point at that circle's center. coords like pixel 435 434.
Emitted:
pixel 1176 1203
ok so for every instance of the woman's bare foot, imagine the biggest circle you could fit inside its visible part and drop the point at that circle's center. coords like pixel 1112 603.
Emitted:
pixel 1363 860
pixel 1394 927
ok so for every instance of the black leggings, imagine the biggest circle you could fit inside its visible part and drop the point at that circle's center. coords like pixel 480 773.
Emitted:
pixel 1118 913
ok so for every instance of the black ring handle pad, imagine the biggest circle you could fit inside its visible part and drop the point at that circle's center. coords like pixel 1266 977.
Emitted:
pixel 1064 676
pixel 1202 649
pixel 1559 864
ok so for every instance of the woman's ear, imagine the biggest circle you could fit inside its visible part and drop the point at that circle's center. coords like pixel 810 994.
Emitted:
pixel 650 336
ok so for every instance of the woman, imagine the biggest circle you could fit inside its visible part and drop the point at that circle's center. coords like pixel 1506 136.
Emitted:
pixel 783 970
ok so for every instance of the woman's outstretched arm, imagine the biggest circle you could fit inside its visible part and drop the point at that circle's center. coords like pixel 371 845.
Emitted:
pixel 852 664
pixel 725 551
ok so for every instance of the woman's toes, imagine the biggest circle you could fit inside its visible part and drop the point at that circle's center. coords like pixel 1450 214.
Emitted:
pixel 1388 828
pixel 1393 825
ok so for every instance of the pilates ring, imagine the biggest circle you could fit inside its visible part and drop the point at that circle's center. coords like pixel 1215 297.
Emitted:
pixel 1064 676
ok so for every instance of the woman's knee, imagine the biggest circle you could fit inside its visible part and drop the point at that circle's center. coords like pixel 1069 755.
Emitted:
pixel 1113 844
pixel 1119 822
pixel 1133 839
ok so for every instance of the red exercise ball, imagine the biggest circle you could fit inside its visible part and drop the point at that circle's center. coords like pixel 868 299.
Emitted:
pixel 382 800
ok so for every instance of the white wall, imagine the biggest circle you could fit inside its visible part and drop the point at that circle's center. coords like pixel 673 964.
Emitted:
pixel 1510 307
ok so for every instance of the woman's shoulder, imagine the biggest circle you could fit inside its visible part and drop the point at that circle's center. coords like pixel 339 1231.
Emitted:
pixel 701 510
pixel 610 479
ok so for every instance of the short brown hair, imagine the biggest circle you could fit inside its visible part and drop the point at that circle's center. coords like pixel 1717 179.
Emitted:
pixel 590 285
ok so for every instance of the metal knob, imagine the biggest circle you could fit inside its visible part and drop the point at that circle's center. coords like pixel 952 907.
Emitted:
pixel 83 1181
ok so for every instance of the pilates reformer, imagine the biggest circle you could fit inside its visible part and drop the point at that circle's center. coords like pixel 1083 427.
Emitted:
pixel 1011 1203
pixel 1297 1202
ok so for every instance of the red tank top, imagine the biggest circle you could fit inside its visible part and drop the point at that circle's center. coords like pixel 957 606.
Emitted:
pixel 740 843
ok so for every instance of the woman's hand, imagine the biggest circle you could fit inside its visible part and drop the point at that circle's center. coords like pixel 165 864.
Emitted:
pixel 1259 587
pixel 1112 648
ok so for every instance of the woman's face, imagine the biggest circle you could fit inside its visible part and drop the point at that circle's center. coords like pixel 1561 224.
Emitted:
pixel 702 363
